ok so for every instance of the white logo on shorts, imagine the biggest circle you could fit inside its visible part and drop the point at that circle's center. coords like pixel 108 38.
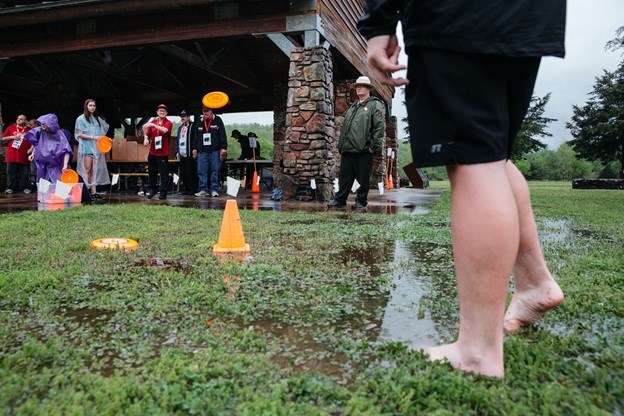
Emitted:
pixel 436 148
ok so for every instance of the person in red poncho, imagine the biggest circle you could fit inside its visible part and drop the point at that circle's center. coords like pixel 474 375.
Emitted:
pixel 17 156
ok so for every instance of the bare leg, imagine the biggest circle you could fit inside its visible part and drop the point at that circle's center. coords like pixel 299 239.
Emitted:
pixel 535 290
pixel 88 167
pixel 485 229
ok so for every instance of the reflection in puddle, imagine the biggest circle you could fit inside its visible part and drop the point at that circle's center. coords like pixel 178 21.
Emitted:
pixel 554 230
pixel 404 319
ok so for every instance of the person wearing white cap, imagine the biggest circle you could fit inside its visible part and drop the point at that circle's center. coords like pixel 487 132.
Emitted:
pixel 471 71
pixel 360 137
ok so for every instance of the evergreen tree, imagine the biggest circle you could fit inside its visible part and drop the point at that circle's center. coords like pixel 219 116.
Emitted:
pixel 598 126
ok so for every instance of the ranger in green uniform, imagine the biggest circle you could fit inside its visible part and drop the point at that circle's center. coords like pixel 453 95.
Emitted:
pixel 361 136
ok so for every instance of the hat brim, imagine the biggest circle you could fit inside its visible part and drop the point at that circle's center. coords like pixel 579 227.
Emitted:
pixel 360 84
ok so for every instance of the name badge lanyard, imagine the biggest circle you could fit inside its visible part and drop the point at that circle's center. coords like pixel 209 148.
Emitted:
pixel 17 143
pixel 206 138
pixel 158 139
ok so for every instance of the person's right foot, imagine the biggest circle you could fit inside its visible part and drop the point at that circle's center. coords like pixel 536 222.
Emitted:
pixel 335 204
pixel 482 364
pixel 201 194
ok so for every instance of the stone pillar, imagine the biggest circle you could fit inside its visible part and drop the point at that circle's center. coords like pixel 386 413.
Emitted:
pixel 309 125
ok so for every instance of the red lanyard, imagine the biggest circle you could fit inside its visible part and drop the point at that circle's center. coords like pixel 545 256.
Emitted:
pixel 207 126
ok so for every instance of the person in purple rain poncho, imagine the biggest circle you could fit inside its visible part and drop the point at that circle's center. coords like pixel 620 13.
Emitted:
pixel 52 150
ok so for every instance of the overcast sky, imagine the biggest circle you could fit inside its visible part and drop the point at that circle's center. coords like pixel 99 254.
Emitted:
pixel 590 25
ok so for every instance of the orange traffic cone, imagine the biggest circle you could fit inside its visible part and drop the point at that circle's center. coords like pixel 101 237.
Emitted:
pixel 231 239
pixel 255 183
pixel 389 184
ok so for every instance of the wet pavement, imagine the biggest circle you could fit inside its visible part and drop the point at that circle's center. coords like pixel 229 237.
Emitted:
pixel 404 200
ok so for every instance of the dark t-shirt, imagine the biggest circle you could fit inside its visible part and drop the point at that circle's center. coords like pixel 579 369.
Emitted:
pixel 520 28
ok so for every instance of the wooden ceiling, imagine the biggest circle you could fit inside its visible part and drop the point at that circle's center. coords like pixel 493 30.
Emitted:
pixel 131 55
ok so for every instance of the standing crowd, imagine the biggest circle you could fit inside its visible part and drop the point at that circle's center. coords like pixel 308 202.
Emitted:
pixel 40 149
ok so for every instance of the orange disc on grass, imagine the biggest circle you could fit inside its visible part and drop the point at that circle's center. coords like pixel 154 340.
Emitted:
pixel 104 144
pixel 215 99
pixel 124 244
pixel 69 176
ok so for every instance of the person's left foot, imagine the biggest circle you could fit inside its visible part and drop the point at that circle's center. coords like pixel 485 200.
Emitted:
pixel 359 207
pixel 162 196
pixel 528 305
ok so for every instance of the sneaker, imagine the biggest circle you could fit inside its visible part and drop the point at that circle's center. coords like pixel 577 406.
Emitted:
pixel 162 196
pixel 335 204
pixel 214 194
pixel 150 194
pixel 141 193
pixel 201 193
pixel 27 191
pixel 277 194
pixel 8 191
pixel 359 207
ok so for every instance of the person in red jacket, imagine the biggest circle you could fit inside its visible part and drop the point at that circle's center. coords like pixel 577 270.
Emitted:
pixel 17 156
pixel 157 135
pixel 471 70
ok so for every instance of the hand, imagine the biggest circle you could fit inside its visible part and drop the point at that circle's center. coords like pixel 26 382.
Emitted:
pixel 178 157
pixel 383 59
pixel 31 157
pixel 194 153
pixel 146 142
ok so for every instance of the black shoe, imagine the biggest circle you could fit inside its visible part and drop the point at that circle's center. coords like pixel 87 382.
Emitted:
pixel 150 194
pixel 96 196
pixel 335 204
pixel 359 207
pixel 162 196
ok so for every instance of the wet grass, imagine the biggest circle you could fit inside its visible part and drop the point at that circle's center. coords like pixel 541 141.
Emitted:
pixel 301 327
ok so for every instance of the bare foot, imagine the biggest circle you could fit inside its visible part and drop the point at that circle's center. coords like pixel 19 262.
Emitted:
pixel 479 364
pixel 528 305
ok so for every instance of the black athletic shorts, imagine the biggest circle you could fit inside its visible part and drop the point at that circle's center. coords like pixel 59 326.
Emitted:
pixel 466 108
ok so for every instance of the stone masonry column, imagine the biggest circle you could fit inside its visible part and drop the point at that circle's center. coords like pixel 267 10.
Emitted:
pixel 309 133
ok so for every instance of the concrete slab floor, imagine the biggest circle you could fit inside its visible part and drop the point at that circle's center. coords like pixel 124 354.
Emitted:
pixel 404 200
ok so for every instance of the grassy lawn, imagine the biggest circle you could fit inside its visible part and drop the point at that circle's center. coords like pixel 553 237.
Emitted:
pixel 297 328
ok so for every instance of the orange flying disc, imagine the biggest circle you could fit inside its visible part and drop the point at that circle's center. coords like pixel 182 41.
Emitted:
pixel 104 144
pixel 215 99
pixel 69 176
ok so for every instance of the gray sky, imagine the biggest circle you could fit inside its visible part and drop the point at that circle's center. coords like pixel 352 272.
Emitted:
pixel 590 25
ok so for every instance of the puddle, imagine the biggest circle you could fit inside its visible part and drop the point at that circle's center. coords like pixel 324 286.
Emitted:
pixel 86 316
pixel 554 230
pixel 396 315
pixel 405 320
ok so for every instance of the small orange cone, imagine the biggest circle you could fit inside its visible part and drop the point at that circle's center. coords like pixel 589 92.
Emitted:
pixel 255 184
pixel 231 239
pixel 389 184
